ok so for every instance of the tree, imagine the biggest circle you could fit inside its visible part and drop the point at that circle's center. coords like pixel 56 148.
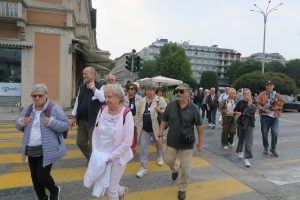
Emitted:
pixel 150 69
pixel 209 79
pixel 293 70
pixel 173 63
pixel 256 82
pixel 275 66
pixel 238 68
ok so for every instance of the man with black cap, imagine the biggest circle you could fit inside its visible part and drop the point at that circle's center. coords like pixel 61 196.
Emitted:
pixel 181 116
pixel 269 104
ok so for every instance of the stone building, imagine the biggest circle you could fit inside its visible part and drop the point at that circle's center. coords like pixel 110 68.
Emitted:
pixel 47 41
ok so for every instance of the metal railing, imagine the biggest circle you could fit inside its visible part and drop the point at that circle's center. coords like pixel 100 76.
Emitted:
pixel 10 9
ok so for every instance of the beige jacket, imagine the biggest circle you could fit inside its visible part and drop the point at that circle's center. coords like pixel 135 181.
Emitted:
pixel 140 108
pixel 137 99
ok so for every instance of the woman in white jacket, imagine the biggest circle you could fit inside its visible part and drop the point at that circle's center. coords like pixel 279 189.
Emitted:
pixel 113 135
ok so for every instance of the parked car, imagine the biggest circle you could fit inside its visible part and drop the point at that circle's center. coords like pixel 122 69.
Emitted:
pixel 290 103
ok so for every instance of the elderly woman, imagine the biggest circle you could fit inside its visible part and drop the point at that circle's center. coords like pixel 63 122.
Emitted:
pixel 148 127
pixel 229 119
pixel 113 135
pixel 131 101
pixel 42 142
pixel 245 109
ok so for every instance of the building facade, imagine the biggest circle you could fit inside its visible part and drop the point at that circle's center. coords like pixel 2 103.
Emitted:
pixel 202 58
pixel 269 57
pixel 46 41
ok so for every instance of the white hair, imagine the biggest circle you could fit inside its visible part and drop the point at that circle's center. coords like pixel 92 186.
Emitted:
pixel 39 86
pixel 117 91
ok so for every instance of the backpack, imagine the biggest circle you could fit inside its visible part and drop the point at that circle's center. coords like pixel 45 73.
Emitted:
pixel 48 114
pixel 127 110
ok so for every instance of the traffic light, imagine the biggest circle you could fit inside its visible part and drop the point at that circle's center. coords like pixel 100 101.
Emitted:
pixel 136 64
pixel 128 63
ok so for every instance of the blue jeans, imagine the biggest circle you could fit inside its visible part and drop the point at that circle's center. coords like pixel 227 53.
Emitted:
pixel 213 116
pixel 268 122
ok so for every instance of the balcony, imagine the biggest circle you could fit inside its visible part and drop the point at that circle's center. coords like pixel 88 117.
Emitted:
pixel 12 10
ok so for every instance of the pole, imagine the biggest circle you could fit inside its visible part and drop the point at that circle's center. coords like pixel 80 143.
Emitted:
pixel 264 46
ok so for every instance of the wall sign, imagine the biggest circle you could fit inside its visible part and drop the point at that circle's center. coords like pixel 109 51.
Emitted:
pixel 10 89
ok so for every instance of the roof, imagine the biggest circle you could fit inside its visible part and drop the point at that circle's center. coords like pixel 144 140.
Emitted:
pixel 21 44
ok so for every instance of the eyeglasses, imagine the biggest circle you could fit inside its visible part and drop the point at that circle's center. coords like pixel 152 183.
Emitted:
pixel 110 79
pixel 131 89
pixel 34 96
pixel 179 91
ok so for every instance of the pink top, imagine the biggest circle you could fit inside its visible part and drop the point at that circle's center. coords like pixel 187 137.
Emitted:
pixel 122 138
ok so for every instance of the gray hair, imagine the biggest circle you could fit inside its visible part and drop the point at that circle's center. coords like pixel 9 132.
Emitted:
pixel 117 91
pixel 39 86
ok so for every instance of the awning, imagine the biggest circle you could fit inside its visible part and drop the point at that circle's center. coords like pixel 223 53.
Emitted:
pixel 21 44
pixel 96 58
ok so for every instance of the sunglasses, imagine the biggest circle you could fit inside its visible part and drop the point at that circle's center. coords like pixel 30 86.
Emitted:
pixel 131 89
pixel 179 91
pixel 34 96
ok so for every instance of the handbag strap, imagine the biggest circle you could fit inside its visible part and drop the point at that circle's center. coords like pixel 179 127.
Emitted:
pixel 179 114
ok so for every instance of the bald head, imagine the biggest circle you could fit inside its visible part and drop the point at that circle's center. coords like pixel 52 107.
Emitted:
pixel 89 74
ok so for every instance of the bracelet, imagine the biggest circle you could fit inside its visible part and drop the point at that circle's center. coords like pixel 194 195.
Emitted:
pixel 160 136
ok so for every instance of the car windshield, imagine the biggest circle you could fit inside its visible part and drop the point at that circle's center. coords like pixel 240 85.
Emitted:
pixel 288 98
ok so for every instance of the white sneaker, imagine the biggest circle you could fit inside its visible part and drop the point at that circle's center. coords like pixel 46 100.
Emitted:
pixel 210 124
pixel 241 154
pixel 231 145
pixel 247 163
pixel 160 161
pixel 225 147
pixel 142 172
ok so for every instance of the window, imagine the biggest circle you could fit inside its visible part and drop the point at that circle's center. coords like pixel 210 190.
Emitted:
pixel 10 65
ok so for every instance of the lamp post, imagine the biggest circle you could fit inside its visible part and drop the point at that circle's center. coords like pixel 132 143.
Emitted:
pixel 265 15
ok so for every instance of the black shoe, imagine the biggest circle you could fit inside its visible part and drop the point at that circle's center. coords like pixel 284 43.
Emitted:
pixel 174 176
pixel 181 195
pixel 44 198
pixel 274 152
pixel 265 150
pixel 56 195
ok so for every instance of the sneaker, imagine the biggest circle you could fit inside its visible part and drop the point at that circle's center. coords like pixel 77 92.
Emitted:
pixel 265 150
pixel 181 195
pixel 231 145
pixel 122 197
pixel 142 172
pixel 210 124
pixel 225 147
pixel 274 152
pixel 55 196
pixel 213 126
pixel 241 155
pixel 160 161
pixel 247 162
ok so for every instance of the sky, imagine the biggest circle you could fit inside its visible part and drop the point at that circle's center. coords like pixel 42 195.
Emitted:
pixel 123 25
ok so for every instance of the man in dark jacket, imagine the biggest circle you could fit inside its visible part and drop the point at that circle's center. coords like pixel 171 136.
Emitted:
pixel 86 108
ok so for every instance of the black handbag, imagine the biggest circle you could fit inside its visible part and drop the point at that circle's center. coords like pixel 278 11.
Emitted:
pixel 187 135
pixel 34 151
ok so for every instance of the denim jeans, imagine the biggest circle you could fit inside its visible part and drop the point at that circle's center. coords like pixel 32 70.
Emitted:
pixel 213 116
pixel 268 122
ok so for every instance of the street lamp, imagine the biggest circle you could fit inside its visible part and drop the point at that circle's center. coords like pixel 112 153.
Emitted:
pixel 265 14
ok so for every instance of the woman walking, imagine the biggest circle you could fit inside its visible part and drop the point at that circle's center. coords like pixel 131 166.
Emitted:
pixel 43 141
pixel 245 109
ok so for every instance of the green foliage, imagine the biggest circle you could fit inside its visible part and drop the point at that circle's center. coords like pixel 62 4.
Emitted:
pixel 293 70
pixel 275 66
pixel 256 82
pixel 209 79
pixel 173 63
pixel 150 69
pixel 192 83
pixel 169 95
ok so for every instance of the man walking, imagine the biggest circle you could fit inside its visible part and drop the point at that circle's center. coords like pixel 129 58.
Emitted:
pixel 178 114
pixel 269 103
pixel 86 108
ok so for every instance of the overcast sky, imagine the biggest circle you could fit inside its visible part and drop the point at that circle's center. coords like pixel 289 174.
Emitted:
pixel 126 24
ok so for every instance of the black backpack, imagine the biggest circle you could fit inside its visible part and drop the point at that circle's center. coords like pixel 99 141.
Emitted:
pixel 48 114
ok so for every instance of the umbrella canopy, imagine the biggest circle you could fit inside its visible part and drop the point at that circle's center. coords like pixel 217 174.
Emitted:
pixel 160 80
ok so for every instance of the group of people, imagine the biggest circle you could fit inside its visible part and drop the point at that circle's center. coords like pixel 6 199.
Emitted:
pixel 238 117
pixel 111 123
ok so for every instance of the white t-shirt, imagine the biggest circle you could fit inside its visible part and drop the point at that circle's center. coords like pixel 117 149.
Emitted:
pixel 35 138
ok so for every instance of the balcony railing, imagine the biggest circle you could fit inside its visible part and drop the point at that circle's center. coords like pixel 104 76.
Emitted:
pixel 10 9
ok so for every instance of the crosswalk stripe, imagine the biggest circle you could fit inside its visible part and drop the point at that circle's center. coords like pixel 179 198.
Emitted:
pixel 20 135
pixel 71 154
pixel 18 144
pixel 66 175
pixel 280 162
pixel 206 190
